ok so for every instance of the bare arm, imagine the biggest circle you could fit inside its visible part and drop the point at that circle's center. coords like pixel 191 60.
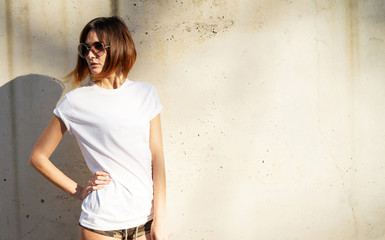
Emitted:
pixel 159 229
pixel 39 160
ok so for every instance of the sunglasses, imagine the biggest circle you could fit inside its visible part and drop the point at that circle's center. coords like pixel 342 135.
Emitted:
pixel 97 48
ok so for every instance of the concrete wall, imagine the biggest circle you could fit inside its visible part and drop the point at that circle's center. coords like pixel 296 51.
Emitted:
pixel 273 125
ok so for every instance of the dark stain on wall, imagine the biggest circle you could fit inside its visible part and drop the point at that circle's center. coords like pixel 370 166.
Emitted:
pixel 9 32
pixel 114 6
pixel 352 20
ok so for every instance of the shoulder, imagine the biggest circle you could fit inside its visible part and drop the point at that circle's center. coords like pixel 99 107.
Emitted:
pixel 143 85
pixel 78 92
pixel 143 88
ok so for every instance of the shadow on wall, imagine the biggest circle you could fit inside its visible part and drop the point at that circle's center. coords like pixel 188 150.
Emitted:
pixel 31 207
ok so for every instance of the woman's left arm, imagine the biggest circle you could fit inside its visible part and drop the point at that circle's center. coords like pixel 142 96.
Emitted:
pixel 159 226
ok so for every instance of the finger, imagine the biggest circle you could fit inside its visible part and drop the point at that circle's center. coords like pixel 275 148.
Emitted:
pixel 101 173
pixel 90 184
pixel 88 188
pixel 103 178
pixel 101 182
pixel 97 187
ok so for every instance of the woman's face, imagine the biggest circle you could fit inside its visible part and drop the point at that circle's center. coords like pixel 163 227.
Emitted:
pixel 95 62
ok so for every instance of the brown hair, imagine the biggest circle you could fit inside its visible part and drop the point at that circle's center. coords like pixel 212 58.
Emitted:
pixel 121 54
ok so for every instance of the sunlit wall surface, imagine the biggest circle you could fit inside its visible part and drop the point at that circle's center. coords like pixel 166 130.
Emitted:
pixel 273 120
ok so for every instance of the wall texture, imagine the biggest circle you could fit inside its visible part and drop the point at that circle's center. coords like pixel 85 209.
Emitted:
pixel 273 125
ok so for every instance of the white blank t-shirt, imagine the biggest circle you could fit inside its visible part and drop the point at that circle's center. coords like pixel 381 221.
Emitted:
pixel 112 128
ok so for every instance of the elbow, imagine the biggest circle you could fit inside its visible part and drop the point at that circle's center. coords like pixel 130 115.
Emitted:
pixel 33 160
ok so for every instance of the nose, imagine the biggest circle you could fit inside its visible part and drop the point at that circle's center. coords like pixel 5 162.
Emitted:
pixel 91 54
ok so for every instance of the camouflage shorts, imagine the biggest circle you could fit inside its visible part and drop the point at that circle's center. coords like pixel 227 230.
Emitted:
pixel 121 234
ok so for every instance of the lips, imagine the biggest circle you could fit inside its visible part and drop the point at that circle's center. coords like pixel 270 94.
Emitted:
pixel 94 64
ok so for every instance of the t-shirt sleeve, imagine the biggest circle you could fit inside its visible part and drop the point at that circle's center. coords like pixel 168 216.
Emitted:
pixel 156 105
pixel 62 111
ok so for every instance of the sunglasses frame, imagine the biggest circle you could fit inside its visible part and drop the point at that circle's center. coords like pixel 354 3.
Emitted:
pixel 93 49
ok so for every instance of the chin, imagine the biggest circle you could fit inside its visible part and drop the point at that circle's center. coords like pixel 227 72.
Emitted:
pixel 95 71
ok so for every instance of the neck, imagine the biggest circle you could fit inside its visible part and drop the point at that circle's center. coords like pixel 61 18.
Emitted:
pixel 112 82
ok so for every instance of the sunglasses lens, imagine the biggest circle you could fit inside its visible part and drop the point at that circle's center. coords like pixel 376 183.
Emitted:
pixel 83 50
pixel 98 46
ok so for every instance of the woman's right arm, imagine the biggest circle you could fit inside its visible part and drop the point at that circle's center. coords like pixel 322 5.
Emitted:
pixel 39 160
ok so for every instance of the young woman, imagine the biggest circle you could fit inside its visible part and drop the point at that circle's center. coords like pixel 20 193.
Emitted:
pixel 117 125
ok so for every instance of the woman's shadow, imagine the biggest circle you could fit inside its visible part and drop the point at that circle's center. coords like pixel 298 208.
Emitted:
pixel 31 207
